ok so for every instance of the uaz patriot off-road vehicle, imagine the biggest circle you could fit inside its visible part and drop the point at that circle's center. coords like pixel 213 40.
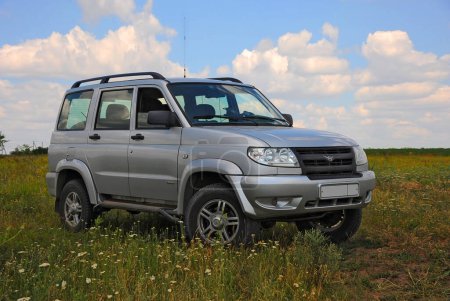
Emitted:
pixel 215 152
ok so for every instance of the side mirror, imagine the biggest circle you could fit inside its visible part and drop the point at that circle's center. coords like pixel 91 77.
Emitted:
pixel 289 119
pixel 167 118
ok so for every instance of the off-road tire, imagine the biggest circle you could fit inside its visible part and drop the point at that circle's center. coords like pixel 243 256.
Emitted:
pixel 248 229
pixel 86 215
pixel 350 224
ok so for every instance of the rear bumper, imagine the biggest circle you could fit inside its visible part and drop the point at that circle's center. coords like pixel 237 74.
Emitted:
pixel 288 196
pixel 50 178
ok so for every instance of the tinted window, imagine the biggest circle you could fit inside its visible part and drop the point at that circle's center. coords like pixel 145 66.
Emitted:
pixel 74 111
pixel 114 110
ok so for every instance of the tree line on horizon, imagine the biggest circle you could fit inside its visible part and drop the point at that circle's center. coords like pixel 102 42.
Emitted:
pixel 23 149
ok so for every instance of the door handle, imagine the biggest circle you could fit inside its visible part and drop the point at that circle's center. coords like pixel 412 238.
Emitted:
pixel 94 137
pixel 137 137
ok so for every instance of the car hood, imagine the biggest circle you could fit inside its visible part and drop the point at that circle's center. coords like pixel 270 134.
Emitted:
pixel 292 137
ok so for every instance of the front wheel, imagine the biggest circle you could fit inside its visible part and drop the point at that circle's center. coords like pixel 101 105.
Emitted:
pixel 338 226
pixel 214 215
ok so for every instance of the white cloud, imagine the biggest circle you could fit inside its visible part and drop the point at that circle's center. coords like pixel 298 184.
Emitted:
pixel 28 107
pixel 28 111
pixel 396 92
pixel 382 105
pixel 330 31
pixel 402 97
pixel 392 59
pixel 295 65
pixel 95 10
pixel 133 47
pixel 223 70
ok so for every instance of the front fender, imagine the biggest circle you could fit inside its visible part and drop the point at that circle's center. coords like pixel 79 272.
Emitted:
pixel 203 165
pixel 83 170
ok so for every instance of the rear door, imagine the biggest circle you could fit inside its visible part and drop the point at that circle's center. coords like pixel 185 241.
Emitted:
pixel 153 151
pixel 108 141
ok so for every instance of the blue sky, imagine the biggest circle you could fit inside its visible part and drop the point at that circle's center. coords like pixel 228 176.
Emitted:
pixel 219 32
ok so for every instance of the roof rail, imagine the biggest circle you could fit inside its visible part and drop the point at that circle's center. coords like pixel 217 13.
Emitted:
pixel 231 79
pixel 106 78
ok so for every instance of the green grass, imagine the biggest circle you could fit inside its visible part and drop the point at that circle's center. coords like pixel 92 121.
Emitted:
pixel 401 251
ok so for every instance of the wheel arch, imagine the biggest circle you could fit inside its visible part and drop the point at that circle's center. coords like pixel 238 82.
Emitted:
pixel 74 169
pixel 200 173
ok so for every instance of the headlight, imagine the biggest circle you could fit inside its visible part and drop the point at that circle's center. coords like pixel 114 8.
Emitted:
pixel 282 157
pixel 360 155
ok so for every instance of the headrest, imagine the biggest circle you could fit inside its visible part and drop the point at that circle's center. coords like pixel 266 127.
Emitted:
pixel 204 110
pixel 153 104
pixel 117 112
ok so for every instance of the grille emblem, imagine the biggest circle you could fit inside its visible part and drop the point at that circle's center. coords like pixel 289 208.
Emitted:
pixel 329 158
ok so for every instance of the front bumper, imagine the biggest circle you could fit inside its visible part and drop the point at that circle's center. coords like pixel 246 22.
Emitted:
pixel 289 196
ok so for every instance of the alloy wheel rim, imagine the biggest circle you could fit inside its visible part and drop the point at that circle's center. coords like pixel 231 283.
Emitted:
pixel 331 222
pixel 218 221
pixel 72 209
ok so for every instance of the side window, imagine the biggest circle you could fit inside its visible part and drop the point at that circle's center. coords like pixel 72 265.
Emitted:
pixel 114 110
pixel 74 111
pixel 149 99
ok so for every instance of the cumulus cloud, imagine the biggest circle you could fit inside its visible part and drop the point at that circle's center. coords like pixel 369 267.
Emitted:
pixel 396 92
pixel 78 53
pixel 95 10
pixel 400 99
pixel 295 65
pixel 28 110
pixel 28 106
pixel 392 59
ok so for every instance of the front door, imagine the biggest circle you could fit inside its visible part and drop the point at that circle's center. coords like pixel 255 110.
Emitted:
pixel 153 151
pixel 109 137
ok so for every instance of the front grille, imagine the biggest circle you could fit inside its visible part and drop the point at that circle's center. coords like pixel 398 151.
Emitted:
pixel 327 162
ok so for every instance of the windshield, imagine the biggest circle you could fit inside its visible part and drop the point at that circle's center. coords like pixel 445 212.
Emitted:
pixel 218 104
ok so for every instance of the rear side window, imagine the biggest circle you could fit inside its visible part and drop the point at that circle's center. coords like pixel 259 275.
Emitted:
pixel 114 110
pixel 74 111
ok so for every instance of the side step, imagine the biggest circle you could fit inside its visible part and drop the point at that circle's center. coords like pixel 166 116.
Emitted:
pixel 132 206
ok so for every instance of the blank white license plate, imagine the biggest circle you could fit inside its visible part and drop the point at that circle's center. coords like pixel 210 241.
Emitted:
pixel 338 191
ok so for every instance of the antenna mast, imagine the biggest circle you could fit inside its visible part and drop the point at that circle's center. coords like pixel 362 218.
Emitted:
pixel 184 46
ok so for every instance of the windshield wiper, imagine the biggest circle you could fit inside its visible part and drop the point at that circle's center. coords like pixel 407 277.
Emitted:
pixel 231 118
pixel 252 117
pixel 214 116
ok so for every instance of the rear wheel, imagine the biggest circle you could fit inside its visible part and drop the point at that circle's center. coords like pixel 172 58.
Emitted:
pixel 338 226
pixel 74 207
pixel 214 215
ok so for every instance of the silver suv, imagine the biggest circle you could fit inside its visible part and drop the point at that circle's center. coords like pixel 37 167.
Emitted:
pixel 213 152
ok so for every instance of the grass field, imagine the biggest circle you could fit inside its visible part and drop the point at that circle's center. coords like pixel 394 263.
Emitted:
pixel 401 252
